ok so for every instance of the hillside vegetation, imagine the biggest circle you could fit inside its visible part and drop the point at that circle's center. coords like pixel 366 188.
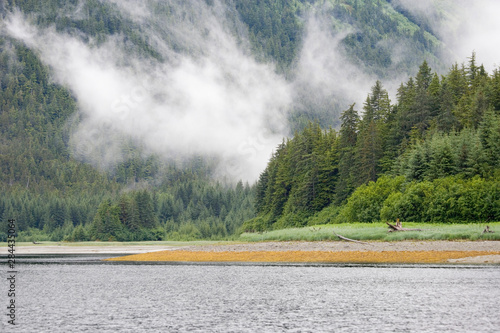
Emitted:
pixel 54 193
pixel 431 157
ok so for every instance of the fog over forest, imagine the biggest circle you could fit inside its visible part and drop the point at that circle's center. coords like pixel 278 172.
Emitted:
pixel 206 94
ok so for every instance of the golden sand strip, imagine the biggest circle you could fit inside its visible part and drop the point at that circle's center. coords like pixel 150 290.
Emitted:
pixel 410 257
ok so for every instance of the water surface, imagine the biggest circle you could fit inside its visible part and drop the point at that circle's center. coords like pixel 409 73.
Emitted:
pixel 78 296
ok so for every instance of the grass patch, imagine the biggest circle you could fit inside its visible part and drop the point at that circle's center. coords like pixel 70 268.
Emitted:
pixel 378 232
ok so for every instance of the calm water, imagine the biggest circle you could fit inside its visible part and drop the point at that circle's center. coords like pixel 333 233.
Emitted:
pixel 83 297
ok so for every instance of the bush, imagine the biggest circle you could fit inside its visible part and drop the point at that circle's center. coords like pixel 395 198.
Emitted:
pixel 325 216
pixel 450 199
pixel 408 205
pixel 257 224
pixel 79 234
pixel 365 204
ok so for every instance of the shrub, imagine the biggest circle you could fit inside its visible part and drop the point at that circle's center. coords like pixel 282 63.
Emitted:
pixel 365 204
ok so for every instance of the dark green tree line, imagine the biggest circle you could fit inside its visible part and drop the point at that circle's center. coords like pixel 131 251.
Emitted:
pixel 440 131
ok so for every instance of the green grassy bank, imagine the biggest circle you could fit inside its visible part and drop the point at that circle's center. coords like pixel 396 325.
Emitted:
pixel 357 231
pixel 379 232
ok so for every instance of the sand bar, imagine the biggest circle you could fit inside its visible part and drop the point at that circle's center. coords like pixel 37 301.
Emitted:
pixel 360 257
pixel 72 249
pixel 463 252
pixel 451 251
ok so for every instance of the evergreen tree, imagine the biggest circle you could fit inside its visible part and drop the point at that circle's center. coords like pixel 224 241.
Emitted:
pixel 489 133
pixel 129 214
pixel 347 161
pixel 495 90
pixel 106 224
pixel 145 209
pixel 419 113
pixel 445 119
pixel 372 135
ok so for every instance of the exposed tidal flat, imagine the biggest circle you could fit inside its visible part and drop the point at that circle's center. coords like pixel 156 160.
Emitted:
pixel 405 252
pixel 410 252
pixel 27 248
pixel 435 243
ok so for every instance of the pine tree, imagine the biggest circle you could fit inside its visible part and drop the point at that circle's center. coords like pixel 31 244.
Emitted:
pixel 129 215
pixel 472 70
pixel 280 184
pixel 145 210
pixel 347 145
pixel 489 134
pixel 419 114
pixel 369 152
pixel 417 164
pixel 434 91
pixel 379 103
pixel 442 158
pixel 495 90
pixel 372 135
pixel 106 224
pixel 457 82
pixel 445 118
pixel 328 170
pixel 424 77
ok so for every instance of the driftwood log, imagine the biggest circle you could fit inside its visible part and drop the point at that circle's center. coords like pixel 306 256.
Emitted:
pixel 399 227
pixel 487 230
pixel 350 240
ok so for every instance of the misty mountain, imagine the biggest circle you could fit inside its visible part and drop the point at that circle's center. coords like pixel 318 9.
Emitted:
pixel 104 97
pixel 235 76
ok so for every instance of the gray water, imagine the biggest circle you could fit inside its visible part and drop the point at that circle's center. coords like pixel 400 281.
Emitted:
pixel 80 296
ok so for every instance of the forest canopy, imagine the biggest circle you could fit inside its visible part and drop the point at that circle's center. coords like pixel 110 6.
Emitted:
pixel 430 155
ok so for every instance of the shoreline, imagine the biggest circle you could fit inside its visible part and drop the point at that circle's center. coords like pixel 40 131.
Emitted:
pixel 464 252
pixel 351 257
pixel 403 252
pixel 87 249
pixel 345 246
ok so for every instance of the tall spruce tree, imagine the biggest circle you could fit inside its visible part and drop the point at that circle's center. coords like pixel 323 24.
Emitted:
pixel 372 135
pixel 347 155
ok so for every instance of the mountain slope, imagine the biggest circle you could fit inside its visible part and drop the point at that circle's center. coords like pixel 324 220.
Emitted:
pixel 268 67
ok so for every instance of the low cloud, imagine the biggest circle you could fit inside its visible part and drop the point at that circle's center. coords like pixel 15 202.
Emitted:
pixel 207 95
pixel 217 102
pixel 464 26
pixel 325 78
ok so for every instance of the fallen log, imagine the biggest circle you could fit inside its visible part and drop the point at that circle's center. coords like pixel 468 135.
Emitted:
pixel 399 227
pixel 350 240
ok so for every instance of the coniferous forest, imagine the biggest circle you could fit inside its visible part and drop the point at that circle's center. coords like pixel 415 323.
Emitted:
pixel 433 156
pixel 430 155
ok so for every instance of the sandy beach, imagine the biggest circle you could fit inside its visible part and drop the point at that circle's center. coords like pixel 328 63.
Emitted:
pixel 335 246
pixel 86 249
